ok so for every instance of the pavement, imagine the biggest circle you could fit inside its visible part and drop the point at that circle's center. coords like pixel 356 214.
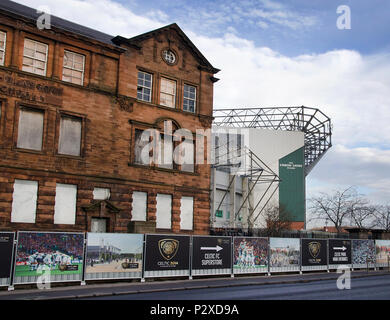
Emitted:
pixel 109 290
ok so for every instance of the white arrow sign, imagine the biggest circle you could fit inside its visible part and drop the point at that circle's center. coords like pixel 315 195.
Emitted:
pixel 217 248
pixel 340 248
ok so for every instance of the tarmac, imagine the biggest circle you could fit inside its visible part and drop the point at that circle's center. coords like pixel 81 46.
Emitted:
pixel 127 288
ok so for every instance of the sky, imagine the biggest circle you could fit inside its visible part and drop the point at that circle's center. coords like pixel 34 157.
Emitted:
pixel 283 53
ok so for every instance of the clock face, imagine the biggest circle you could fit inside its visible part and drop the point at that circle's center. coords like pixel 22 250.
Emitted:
pixel 169 56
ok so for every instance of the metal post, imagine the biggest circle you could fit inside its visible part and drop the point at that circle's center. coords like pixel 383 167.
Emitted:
pixel 143 259
pixel 13 263
pixel 231 257
pixel 190 259
pixel 269 256
pixel 83 283
pixel 388 262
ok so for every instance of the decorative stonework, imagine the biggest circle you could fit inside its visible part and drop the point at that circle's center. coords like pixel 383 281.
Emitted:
pixel 125 103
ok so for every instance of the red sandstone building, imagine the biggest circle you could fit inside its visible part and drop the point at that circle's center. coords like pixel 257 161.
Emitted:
pixel 73 104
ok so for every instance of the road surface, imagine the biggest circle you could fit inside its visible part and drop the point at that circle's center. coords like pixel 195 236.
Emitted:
pixel 369 288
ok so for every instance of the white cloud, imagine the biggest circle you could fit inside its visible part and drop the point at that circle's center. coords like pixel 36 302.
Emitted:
pixel 350 88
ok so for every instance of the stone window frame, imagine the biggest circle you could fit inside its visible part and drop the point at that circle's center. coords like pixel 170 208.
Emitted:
pixel 27 106
pixel 70 114
pixel 2 61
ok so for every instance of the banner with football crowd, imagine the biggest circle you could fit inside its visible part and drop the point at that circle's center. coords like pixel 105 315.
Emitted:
pixel 26 256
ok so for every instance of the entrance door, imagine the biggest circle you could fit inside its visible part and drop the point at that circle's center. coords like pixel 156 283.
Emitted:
pixel 99 225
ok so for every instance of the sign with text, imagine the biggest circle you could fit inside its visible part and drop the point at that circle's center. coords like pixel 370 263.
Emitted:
pixel 167 252
pixel 314 252
pixel 6 250
pixel 211 252
pixel 340 251
pixel 114 255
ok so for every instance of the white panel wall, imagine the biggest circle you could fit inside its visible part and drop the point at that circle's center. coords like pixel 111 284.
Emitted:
pixel 164 211
pixel 65 204
pixel 186 213
pixel 139 206
pixel 24 201
pixel 270 146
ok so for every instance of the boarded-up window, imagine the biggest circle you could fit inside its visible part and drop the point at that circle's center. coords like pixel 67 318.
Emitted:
pixel 73 70
pixel 24 201
pixel 139 206
pixel 164 211
pixel 35 57
pixel 139 144
pixel 101 193
pixel 168 93
pixel 70 136
pixel 165 155
pixel 3 38
pixel 188 157
pixel 30 129
pixel 186 213
pixel 65 204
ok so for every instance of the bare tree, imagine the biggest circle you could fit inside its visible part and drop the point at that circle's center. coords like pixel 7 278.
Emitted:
pixel 336 207
pixel 362 213
pixel 276 220
pixel 382 217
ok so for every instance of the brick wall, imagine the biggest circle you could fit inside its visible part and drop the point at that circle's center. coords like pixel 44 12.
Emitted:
pixel 107 105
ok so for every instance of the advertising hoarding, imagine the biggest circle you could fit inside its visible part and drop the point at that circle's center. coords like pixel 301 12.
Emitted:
pixel 211 255
pixel 284 254
pixel 250 255
pixel 114 256
pixel 382 248
pixel 58 255
pixel 6 254
pixel 363 252
pixel 314 254
pixel 167 255
pixel 339 253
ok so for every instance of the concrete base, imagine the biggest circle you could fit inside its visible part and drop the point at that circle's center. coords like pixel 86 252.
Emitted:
pixel 83 283
pixel 11 288
pixel 143 280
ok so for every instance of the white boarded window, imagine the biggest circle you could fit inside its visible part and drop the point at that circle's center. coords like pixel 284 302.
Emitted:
pixel 138 212
pixel 24 201
pixel 70 136
pixel 30 129
pixel 73 70
pixel 186 213
pixel 3 41
pixel 101 193
pixel 65 204
pixel 168 93
pixel 165 155
pixel 164 211
pixel 35 57
pixel 188 159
